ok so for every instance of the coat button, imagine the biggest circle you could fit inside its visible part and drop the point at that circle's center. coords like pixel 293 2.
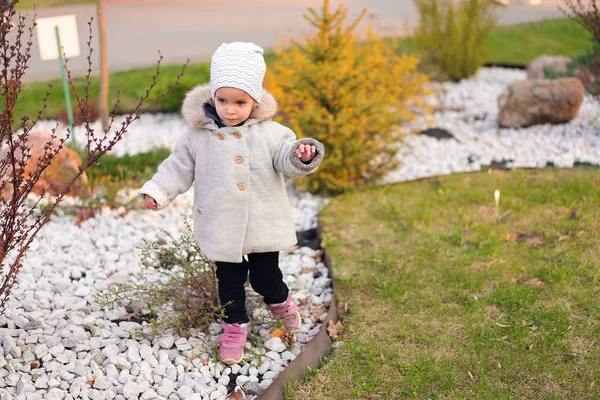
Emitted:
pixel 237 134
pixel 241 186
pixel 199 210
pixel 239 160
pixel 221 136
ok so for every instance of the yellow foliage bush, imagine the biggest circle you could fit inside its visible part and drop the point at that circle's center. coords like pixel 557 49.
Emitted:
pixel 347 94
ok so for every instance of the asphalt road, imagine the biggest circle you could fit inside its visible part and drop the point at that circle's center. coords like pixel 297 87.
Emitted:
pixel 181 29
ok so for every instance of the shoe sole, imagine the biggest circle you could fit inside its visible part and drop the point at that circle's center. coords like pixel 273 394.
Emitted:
pixel 292 331
pixel 231 361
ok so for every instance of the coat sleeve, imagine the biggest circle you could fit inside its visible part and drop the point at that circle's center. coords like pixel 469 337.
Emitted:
pixel 174 176
pixel 285 159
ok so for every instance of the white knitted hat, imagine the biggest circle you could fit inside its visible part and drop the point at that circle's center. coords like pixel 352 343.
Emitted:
pixel 238 65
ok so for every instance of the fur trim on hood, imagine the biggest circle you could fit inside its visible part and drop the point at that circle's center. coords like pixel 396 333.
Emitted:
pixel 193 114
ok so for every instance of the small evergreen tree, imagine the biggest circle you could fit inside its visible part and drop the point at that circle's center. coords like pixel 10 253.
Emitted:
pixel 454 35
pixel 348 95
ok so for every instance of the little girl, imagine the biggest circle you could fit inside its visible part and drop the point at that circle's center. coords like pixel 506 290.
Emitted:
pixel 237 157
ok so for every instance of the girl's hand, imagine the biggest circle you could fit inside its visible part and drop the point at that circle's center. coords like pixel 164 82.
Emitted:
pixel 149 203
pixel 306 152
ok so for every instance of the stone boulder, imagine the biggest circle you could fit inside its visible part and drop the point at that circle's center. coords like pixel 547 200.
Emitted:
pixel 64 166
pixel 540 101
pixel 559 64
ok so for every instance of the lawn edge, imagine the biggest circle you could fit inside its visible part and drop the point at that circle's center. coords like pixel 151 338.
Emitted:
pixel 313 352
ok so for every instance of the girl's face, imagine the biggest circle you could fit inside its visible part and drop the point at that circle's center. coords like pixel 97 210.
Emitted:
pixel 233 105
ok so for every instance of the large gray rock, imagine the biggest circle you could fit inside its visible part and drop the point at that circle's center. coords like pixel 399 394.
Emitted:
pixel 540 101
pixel 559 64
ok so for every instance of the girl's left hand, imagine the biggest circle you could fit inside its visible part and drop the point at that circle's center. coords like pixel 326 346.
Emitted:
pixel 306 152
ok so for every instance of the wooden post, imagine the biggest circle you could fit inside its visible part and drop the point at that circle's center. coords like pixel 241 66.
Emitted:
pixel 63 73
pixel 103 101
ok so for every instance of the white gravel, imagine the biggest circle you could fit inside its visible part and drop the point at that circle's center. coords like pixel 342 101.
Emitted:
pixel 469 111
pixel 81 352
pixel 57 343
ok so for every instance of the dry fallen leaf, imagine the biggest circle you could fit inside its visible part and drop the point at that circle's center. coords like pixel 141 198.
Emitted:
pixel 580 234
pixel 334 329
pixel 84 214
pixel 470 375
pixel 536 282
pixel 319 256
pixel 304 301
pixel 563 238
pixel 317 312
pixel 205 362
pixel 502 325
pixel 127 317
pixel 91 381
pixel 237 394
pixel 286 337
pixel 279 332
pixel 533 240
pixel 290 250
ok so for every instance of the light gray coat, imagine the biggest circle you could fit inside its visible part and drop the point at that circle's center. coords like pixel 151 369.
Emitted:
pixel 240 200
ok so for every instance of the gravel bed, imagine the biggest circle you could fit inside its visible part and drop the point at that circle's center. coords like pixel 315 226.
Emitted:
pixel 57 343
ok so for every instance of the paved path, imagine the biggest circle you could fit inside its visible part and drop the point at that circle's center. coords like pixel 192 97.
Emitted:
pixel 182 29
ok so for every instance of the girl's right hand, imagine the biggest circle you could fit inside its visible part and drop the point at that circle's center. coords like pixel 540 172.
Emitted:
pixel 149 203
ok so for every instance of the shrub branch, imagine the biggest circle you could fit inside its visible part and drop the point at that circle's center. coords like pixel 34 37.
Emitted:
pixel 20 220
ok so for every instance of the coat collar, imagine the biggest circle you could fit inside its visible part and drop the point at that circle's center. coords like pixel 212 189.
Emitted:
pixel 194 116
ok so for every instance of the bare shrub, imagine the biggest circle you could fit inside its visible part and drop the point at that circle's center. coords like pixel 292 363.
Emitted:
pixel 587 15
pixel 20 219
pixel 176 283
pixel 79 118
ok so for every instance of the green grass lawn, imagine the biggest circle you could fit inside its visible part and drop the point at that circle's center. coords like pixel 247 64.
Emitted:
pixel 28 4
pixel 519 44
pixel 129 86
pixel 512 45
pixel 506 310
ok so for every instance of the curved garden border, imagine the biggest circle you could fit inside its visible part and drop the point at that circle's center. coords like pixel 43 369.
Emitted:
pixel 313 352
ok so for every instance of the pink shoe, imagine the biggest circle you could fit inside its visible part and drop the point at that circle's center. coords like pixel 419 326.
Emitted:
pixel 232 342
pixel 288 312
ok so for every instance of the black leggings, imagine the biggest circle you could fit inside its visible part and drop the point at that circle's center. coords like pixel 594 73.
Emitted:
pixel 265 277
